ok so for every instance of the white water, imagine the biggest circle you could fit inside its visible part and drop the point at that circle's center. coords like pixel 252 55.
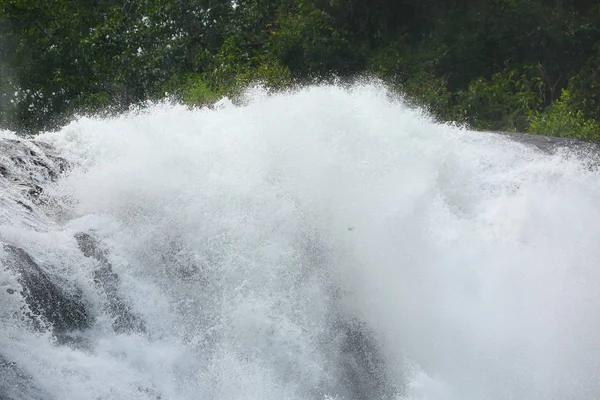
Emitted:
pixel 246 236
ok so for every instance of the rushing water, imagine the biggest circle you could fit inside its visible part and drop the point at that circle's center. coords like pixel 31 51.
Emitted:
pixel 326 244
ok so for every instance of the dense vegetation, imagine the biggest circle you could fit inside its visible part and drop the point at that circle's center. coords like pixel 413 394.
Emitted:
pixel 524 65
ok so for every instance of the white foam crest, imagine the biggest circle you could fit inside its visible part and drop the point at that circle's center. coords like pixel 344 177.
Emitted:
pixel 251 237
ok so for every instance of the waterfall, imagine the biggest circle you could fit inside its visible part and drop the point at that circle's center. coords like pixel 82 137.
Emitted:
pixel 327 243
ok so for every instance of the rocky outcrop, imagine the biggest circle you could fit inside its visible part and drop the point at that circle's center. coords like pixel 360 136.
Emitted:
pixel 49 304
pixel 39 159
pixel 25 167
pixel 363 372
pixel 550 144
pixel 108 281
pixel 48 300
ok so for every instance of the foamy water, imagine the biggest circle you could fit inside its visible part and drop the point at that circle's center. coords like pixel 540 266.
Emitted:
pixel 325 244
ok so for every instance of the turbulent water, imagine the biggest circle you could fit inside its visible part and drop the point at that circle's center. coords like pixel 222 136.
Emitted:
pixel 326 244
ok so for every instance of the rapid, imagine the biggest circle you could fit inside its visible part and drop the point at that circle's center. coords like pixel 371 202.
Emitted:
pixel 328 243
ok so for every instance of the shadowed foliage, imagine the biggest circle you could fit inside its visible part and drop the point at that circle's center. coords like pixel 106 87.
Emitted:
pixel 515 65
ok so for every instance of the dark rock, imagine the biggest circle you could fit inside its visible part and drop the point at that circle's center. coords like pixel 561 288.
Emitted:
pixel 77 340
pixel 550 144
pixel 28 166
pixel 59 164
pixel 89 246
pixel 45 298
pixel 363 372
pixel 108 281
pixel 25 206
pixel 16 384
pixel 35 191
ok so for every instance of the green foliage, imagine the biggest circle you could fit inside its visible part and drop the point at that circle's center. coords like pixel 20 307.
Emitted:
pixel 584 88
pixel 270 75
pixel 563 119
pixel 196 91
pixel 502 102
pixel 231 61
pixel 70 56
pixel 308 44
pixel 387 61
pixel 429 91
pixel 492 64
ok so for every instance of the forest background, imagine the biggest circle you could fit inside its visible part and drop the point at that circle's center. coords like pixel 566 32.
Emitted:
pixel 505 65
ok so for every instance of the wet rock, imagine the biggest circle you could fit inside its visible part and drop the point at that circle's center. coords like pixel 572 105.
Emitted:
pixel 44 296
pixel 90 247
pixel 16 384
pixel 363 372
pixel 108 281
pixel 550 144
pixel 25 206
pixel 40 160
pixel 26 166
